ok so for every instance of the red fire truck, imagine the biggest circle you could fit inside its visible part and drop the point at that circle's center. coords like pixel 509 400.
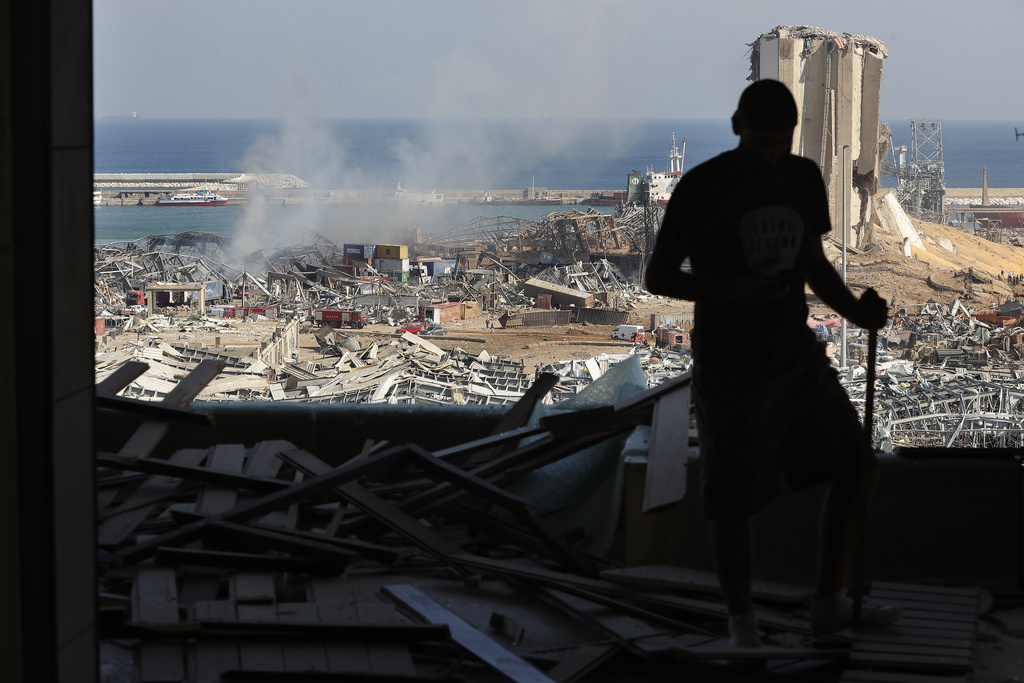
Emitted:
pixel 338 318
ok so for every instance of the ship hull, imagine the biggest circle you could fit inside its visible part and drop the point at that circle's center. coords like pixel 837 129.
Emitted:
pixel 1009 220
pixel 162 202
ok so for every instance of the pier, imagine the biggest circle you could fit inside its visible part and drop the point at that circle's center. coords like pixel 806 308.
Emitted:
pixel 144 189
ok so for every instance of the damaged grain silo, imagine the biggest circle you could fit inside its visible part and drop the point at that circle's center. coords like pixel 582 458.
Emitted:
pixel 836 79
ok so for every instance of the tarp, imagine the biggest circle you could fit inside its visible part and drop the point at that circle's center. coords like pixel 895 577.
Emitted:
pixel 584 490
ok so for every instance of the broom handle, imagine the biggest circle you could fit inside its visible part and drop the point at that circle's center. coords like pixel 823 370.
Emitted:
pixel 865 469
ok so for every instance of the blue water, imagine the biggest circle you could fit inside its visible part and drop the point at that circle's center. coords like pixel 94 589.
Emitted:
pixel 422 155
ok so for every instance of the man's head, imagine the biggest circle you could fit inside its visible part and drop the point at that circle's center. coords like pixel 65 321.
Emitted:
pixel 765 119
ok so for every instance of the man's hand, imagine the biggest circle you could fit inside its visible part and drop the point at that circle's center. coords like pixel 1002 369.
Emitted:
pixel 872 311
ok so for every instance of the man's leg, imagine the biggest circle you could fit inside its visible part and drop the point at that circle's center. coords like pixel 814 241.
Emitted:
pixel 837 534
pixel 832 609
pixel 731 546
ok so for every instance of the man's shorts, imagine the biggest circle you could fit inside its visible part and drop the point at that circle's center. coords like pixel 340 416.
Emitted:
pixel 759 434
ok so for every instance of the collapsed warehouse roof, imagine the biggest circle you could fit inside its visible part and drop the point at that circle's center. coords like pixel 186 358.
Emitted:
pixel 568 236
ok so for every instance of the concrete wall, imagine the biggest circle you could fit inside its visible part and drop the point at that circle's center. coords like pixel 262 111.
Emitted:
pixel 950 517
pixel 953 518
pixel 47 504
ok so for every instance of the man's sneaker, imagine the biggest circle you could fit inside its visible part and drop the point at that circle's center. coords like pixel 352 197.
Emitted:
pixel 743 630
pixel 831 613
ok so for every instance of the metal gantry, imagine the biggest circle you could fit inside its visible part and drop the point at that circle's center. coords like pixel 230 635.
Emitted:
pixel 920 176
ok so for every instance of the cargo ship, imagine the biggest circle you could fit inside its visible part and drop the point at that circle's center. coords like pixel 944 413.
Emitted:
pixel 198 198
pixel 662 184
pixel 1008 217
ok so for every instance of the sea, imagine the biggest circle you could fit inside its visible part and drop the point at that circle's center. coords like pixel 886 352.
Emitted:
pixel 428 155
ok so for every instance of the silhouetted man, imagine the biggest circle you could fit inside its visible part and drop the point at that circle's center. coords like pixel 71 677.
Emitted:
pixel 751 222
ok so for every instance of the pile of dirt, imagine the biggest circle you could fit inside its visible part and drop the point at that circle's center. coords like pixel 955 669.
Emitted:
pixel 950 264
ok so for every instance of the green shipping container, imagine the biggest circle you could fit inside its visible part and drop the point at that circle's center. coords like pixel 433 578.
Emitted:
pixel 397 275
pixel 634 187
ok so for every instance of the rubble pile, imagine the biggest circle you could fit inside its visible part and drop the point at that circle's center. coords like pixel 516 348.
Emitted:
pixel 294 282
pixel 947 377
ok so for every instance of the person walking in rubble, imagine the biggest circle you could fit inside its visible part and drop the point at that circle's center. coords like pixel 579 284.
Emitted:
pixel 751 221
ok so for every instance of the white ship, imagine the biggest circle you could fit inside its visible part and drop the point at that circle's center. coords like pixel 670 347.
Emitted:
pixel 404 196
pixel 198 198
pixel 662 184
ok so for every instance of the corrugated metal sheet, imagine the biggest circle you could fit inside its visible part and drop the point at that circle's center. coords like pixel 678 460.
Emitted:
pixel 600 316
pixel 538 318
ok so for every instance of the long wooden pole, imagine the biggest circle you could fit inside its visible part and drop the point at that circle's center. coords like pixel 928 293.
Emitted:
pixel 865 473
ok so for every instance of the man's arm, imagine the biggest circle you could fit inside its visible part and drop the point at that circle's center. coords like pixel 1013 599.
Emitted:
pixel 868 312
pixel 664 277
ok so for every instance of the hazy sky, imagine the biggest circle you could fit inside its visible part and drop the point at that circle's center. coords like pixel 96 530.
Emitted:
pixel 948 59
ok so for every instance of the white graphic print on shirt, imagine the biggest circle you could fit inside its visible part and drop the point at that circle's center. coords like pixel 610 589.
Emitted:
pixel 770 236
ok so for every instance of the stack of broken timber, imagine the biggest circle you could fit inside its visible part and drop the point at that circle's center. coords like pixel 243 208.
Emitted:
pixel 235 563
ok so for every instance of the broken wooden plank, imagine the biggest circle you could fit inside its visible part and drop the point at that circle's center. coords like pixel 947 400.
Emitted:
pixel 120 378
pixel 479 644
pixel 607 592
pixel 498 471
pixel 580 662
pixel 866 676
pixel 684 578
pixel 507 627
pixel 308 655
pixel 150 432
pixel 153 410
pixel 248 561
pixel 932 635
pixel 219 498
pixel 251 587
pixel 155 601
pixel 517 506
pixel 667 455
pixel 259 507
pixel 211 475
pixel 121 523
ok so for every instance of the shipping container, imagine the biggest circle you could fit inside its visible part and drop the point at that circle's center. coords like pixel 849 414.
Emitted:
pixel 438 314
pixel 394 251
pixel 441 267
pixel 544 301
pixel 397 275
pixel 99 325
pixel 599 316
pixel 359 251
pixel 391 264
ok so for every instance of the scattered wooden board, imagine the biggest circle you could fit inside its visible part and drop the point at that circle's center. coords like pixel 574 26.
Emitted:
pixel 466 635
pixel 683 578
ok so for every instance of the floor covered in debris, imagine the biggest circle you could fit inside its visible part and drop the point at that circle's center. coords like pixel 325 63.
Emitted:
pixel 493 559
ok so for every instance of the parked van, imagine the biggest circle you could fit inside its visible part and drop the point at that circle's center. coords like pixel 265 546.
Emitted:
pixel 629 333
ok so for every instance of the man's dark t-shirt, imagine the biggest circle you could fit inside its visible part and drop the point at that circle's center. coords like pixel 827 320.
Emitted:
pixel 733 219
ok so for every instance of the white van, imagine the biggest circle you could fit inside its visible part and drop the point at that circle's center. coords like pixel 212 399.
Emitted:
pixel 629 333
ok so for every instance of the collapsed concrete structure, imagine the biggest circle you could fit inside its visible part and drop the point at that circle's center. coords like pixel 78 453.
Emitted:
pixel 836 79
